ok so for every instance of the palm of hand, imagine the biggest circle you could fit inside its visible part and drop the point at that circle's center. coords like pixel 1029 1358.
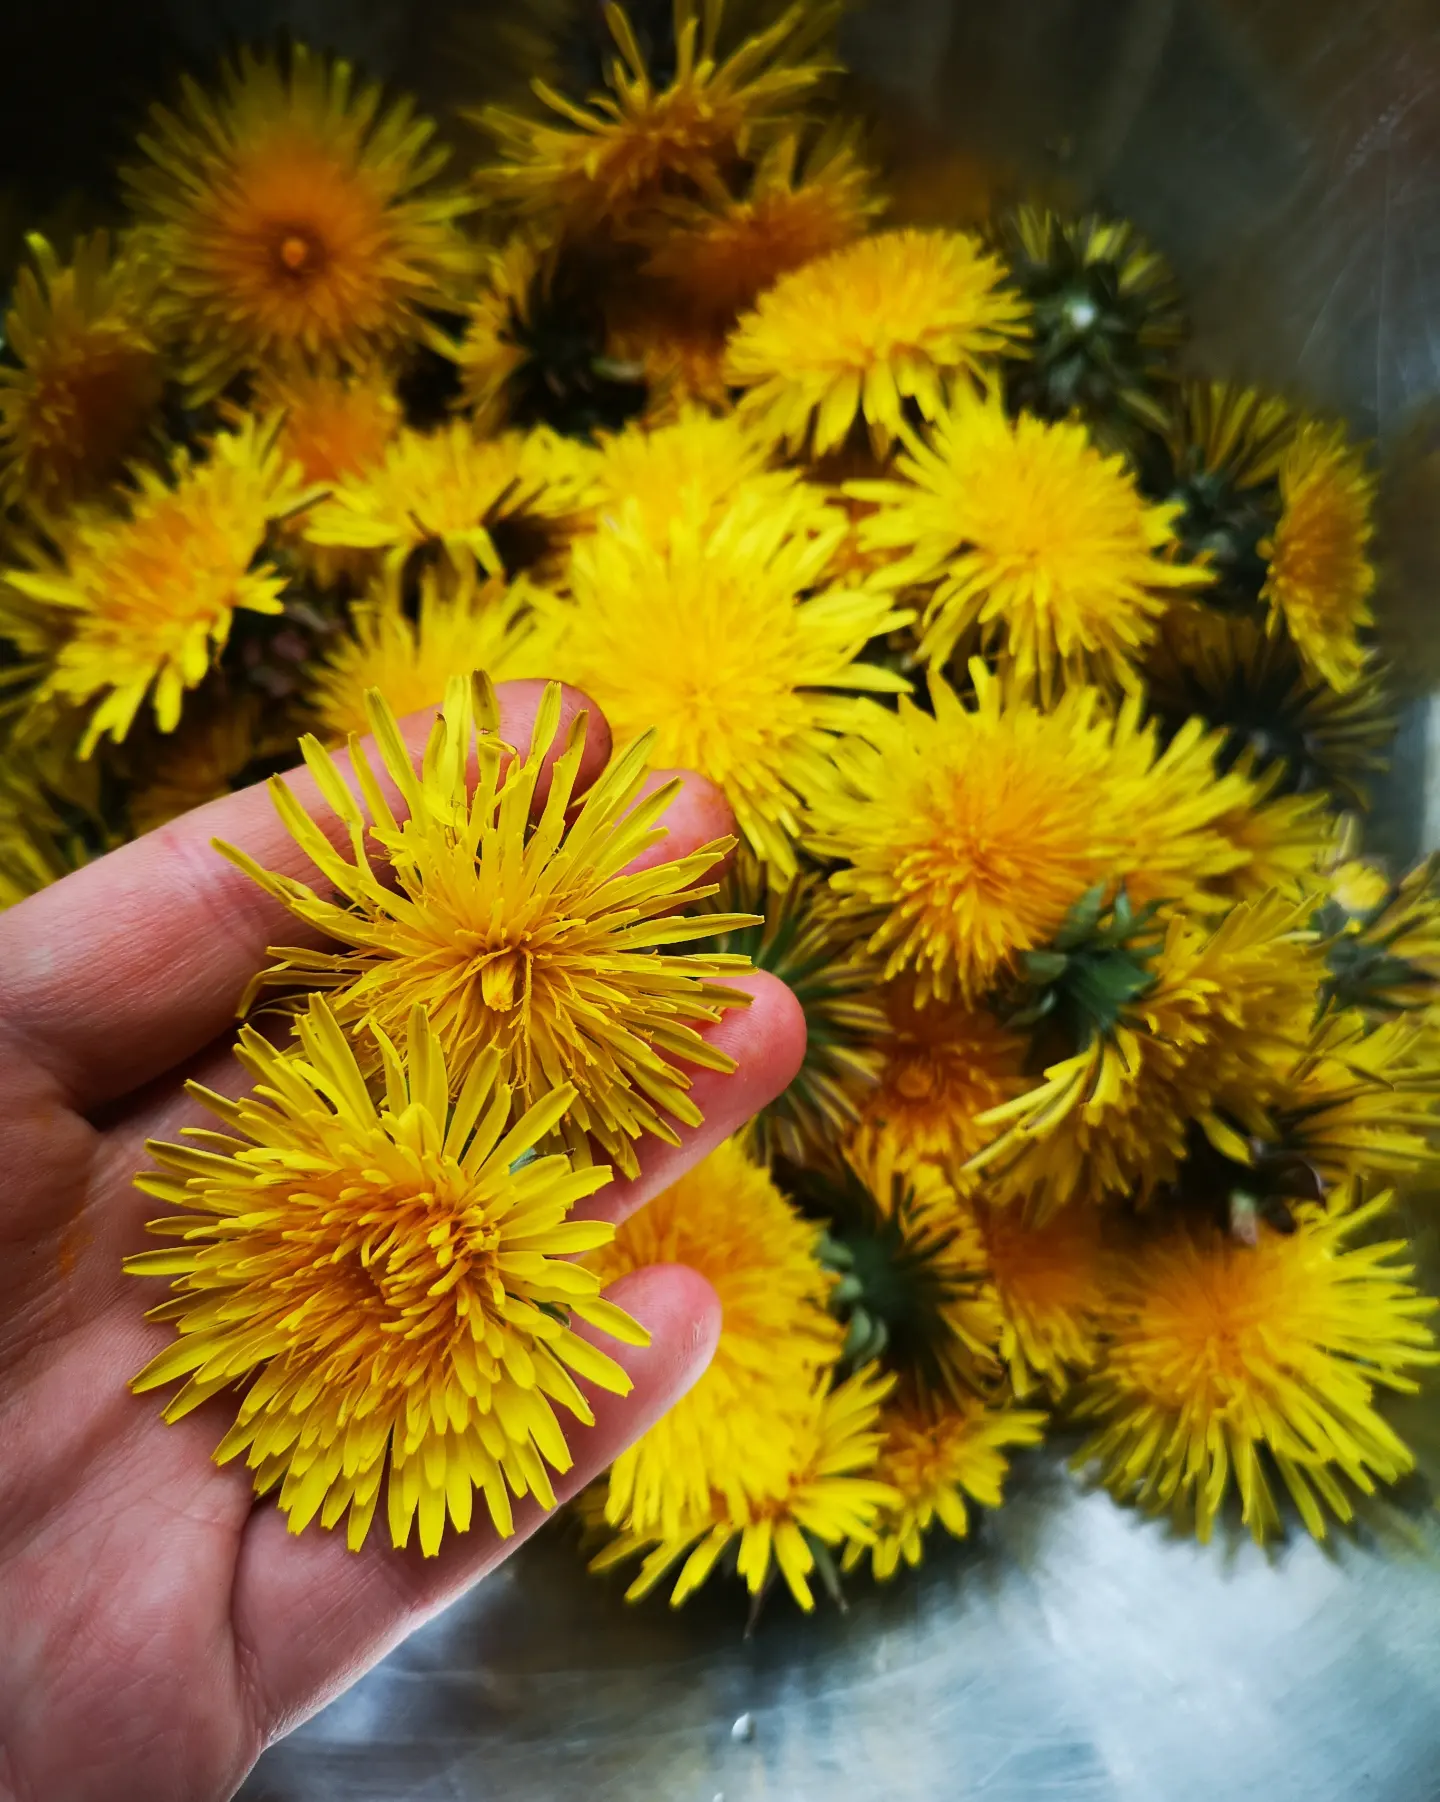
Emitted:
pixel 159 1625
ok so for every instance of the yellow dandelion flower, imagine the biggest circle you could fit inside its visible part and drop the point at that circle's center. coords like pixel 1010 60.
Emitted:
pixel 828 1496
pixel 717 254
pixel 695 464
pixel 409 656
pixel 528 940
pixel 1049 1279
pixel 943 1067
pixel 1205 1042
pixel 934 1456
pixel 970 832
pixel 391 1279
pixel 219 750
pixel 1040 547
pixel 1361 1098
pixel 1320 576
pixel 894 318
pixel 728 1435
pixel 1384 937
pixel 1232 1361
pixel 800 939
pixel 716 639
pixel 451 489
pixel 86 377
pixel 493 347
pixel 296 217
pixel 913 1279
pixel 597 161
pixel 148 595
pixel 334 424
pixel 1285 839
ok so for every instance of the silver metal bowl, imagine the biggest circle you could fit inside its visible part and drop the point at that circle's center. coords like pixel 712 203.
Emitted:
pixel 1286 154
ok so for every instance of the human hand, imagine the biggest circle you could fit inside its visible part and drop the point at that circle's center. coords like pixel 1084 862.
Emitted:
pixel 159 1625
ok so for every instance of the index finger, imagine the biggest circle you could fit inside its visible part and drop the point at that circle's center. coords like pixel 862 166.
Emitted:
pixel 134 963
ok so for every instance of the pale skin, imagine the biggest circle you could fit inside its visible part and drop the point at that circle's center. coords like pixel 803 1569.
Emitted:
pixel 159 1625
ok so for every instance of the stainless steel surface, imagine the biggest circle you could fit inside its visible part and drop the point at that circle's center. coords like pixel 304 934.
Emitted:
pixel 1287 154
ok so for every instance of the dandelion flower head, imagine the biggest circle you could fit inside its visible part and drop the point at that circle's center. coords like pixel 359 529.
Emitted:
pixel 451 489
pixel 1229 1363
pixel 893 318
pixel 1207 1042
pixel 1039 545
pixel 716 638
pixel 717 254
pixel 528 938
pixel 147 594
pixel 937 1456
pixel 604 158
pixel 970 831
pixel 87 375
pixel 391 1279
pixel 944 1067
pixel 460 623
pixel 829 1495
pixel 1321 577
pixel 728 1435
pixel 297 217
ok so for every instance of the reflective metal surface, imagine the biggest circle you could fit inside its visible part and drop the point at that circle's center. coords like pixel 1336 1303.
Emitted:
pixel 1286 153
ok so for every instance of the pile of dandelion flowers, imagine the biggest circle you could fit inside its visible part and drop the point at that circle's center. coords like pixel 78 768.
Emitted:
pixel 1320 576
pixel 598 161
pixel 717 639
pixel 450 488
pixel 530 938
pixel 1224 1358
pixel 409 656
pixel 1036 542
pixel 730 1434
pixel 297 217
pixel 391 1277
pixel 934 1456
pixel 87 373
pixel 829 1495
pixel 147 596
pixel 890 319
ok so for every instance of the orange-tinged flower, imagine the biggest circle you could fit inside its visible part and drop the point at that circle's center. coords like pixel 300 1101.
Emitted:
pixel 1231 1363
pixel 1321 577
pixel 87 374
pixel 147 596
pixel 296 216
